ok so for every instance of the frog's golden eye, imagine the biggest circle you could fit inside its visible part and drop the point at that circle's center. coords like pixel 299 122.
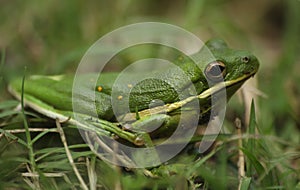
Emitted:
pixel 215 71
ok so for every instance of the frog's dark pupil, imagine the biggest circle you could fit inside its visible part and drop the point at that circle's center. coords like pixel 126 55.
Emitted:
pixel 216 70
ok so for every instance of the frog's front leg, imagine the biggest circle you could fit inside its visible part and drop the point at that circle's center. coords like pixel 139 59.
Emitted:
pixel 136 132
pixel 158 126
pixel 148 123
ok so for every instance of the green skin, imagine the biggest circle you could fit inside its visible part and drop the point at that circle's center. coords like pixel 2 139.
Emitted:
pixel 52 95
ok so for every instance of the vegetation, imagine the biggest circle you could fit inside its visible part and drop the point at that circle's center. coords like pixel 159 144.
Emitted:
pixel 259 147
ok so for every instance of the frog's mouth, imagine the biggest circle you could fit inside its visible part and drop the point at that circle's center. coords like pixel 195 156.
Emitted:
pixel 234 85
pixel 231 87
pixel 231 84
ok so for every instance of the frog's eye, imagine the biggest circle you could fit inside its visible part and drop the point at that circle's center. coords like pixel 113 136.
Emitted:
pixel 215 71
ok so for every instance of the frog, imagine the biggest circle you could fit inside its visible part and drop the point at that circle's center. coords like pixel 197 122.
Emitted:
pixel 184 90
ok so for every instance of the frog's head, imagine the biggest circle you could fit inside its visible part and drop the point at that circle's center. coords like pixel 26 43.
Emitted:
pixel 233 67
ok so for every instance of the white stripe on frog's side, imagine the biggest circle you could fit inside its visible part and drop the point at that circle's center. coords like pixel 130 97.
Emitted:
pixel 87 123
pixel 52 77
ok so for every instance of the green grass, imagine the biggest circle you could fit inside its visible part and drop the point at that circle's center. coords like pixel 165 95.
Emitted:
pixel 50 37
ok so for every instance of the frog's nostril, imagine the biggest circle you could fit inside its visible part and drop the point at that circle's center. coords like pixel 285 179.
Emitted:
pixel 246 59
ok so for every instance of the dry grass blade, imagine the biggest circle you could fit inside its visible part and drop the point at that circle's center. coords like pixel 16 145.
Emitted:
pixel 69 155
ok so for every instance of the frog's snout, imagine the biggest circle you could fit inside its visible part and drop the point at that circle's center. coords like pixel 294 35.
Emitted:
pixel 251 63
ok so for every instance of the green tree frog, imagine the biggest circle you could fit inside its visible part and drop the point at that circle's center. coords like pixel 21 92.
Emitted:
pixel 52 95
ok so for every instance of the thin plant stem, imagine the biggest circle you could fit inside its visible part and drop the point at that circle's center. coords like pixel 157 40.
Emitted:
pixel 69 155
pixel 28 138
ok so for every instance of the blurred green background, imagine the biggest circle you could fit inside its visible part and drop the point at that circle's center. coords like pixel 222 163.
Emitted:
pixel 50 37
